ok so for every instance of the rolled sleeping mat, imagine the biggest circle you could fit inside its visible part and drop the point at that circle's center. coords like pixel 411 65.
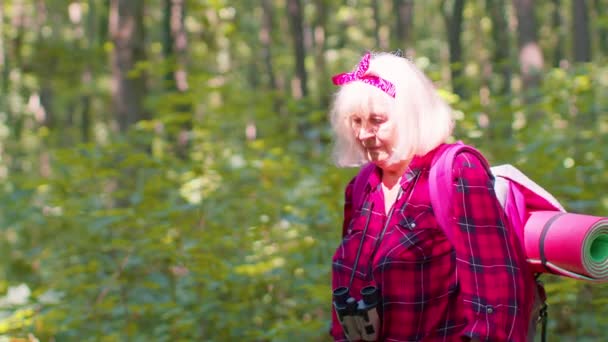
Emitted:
pixel 566 244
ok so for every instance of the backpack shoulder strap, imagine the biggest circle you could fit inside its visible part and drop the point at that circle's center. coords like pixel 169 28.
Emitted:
pixel 441 180
pixel 359 186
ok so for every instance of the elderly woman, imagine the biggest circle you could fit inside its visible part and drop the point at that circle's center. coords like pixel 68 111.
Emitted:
pixel 395 275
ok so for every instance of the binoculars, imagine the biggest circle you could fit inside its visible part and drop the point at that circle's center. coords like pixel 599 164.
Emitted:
pixel 359 319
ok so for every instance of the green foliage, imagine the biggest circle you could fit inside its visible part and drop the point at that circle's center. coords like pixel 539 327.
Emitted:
pixel 131 246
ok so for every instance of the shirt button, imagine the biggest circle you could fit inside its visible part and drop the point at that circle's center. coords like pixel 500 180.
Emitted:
pixel 489 310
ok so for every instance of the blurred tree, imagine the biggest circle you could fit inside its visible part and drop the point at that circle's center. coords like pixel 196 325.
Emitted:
pixel 453 27
pixel 559 39
pixel 322 9
pixel 296 23
pixel 581 40
pixel 602 25
pixel 89 72
pixel 126 27
pixel 14 61
pixel 404 13
pixel 266 34
pixel 4 68
pixel 175 48
pixel 530 54
pixel 501 56
pixel 46 116
pixel 377 28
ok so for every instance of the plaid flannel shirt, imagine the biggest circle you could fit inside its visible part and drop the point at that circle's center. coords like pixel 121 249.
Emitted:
pixel 432 290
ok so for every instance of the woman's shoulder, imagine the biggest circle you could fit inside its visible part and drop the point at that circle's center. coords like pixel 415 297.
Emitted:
pixel 471 167
pixel 469 159
pixel 464 156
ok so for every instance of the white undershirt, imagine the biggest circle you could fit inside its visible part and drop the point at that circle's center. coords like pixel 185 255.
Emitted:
pixel 390 196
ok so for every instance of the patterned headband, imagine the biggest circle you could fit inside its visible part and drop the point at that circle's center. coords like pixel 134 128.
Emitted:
pixel 359 75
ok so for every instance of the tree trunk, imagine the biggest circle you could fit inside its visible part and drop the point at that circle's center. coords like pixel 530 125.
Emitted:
pixel 294 11
pixel 175 44
pixel 580 31
pixel 322 8
pixel 87 77
pixel 453 26
pixel 600 9
pixel 167 44
pixel 276 85
pixel 85 120
pixel 46 76
pixel 180 41
pixel 102 27
pixel 582 53
pixel 376 14
pixel 404 12
pixel 4 73
pixel 18 23
pixel 47 118
pixel 14 61
pixel 502 49
pixel 530 54
pixel 126 28
pixel 266 40
pixel 556 21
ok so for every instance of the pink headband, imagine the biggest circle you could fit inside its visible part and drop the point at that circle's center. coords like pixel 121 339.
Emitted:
pixel 359 75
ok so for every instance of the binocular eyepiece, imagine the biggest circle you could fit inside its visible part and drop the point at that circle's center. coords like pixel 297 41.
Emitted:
pixel 359 319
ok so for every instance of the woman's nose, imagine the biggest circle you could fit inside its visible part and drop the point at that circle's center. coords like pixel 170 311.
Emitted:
pixel 365 133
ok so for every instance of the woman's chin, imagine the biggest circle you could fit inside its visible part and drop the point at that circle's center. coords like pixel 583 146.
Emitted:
pixel 377 157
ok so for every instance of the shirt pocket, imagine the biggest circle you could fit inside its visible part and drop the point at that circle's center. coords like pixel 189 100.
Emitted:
pixel 417 236
pixel 343 260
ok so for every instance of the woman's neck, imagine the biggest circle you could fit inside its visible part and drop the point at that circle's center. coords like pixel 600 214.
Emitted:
pixel 391 175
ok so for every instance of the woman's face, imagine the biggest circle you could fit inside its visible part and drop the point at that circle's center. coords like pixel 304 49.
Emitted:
pixel 376 131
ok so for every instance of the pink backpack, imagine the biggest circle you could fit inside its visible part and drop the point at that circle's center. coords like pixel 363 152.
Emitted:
pixel 518 195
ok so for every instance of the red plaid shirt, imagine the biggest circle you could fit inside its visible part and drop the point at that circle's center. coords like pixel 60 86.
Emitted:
pixel 432 290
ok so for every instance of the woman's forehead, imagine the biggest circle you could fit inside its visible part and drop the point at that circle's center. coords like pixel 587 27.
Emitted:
pixel 358 98
pixel 366 104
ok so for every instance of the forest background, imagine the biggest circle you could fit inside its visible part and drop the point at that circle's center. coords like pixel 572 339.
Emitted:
pixel 165 165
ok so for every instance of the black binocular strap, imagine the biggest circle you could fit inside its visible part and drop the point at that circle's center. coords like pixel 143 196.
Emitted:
pixel 543 260
pixel 543 236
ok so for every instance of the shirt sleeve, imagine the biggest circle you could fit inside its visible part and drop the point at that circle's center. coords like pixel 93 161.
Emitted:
pixel 491 282
pixel 336 329
pixel 348 206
